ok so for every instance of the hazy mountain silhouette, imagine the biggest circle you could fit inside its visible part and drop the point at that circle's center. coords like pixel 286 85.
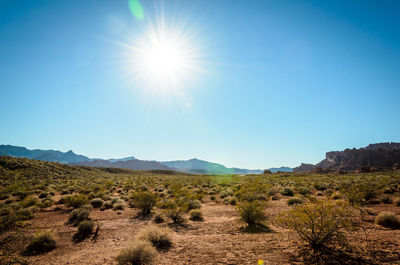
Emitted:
pixel 44 155
pixel 197 166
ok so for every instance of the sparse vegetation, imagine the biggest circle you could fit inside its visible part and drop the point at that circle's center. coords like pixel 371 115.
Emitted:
pixel 40 243
pixel 319 224
pixel 388 219
pixel 159 237
pixel 139 253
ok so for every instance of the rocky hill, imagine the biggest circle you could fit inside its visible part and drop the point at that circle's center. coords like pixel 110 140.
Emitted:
pixel 377 156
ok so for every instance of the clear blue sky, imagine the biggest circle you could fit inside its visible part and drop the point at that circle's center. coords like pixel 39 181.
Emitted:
pixel 285 81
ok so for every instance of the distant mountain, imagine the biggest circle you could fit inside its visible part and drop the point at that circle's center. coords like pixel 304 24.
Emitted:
pixel 280 169
pixel 194 166
pixel 44 155
pixel 197 166
pixel 120 159
pixel 130 164
pixel 379 156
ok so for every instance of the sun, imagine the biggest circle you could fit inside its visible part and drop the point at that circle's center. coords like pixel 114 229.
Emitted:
pixel 164 58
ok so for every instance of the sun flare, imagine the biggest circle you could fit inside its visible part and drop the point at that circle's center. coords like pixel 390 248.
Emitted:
pixel 165 57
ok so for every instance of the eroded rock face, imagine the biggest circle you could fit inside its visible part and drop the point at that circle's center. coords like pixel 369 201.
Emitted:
pixel 367 159
pixel 304 168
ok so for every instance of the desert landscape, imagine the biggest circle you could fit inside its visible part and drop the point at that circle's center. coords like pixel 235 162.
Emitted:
pixel 199 132
pixel 89 215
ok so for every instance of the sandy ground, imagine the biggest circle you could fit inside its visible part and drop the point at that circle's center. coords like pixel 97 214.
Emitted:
pixel 219 239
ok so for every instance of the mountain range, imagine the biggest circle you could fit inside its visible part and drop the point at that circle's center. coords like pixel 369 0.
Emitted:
pixel 193 166
pixel 373 156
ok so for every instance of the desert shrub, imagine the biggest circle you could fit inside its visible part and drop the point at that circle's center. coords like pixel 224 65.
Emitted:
pixel 139 253
pixel 396 201
pixel 175 214
pixel 319 224
pixel 45 203
pixel 28 202
pixel 24 214
pixel 295 201
pixel 75 201
pixel 337 196
pixel 196 215
pixel 85 228
pixel 252 212
pixel 273 191
pixel 159 237
pixel 96 202
pixel 192 204
pixel 40 243
pixel 386 199
pixel 212 198
pixel 232 201
pixel 79 215
pixel 320 186
pixel 119 205
pixel 303 190
pixel 106 205
pixel 144 200
pixel 158 218
pixel 43 194
pixel 360 193
pixel 287 191
pixel 114 200
pixel 387 219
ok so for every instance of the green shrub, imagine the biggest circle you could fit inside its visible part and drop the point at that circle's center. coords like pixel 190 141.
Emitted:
pixel 196 215
pixel 85 228
pixel 158 218
pixel 252 212
pixel 76 200
pixel 79 215
pixel 287 191
pixel 144 200
pixel 319 224
pixel 396 201
pixel 119 205
pixel 192 204
pixel 96 202
pixel 295 201
pixel 24 214
pixel 386 199
pixel 175 214
pixel 43 194
pixel 139 253
pixel 387 219
pixel 303 190
pixel 40 243
pixel 159 237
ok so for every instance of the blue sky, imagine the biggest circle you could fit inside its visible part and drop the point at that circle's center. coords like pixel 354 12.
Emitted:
pixel 283 81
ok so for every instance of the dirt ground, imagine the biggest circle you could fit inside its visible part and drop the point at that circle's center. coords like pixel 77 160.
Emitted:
pixel 219 239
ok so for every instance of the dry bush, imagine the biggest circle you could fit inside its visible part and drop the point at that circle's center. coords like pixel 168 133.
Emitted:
pixel 159 237
pixel 96 202
pixel 319 224
pixel 76 200
pixel 144 200
pixel 40 243
pixel 79 215
pixel 85 228
pixel 295 201
pixel 396 201
pixel 139 253
pixel 388 219
pixel 196 215
pixel 252 212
